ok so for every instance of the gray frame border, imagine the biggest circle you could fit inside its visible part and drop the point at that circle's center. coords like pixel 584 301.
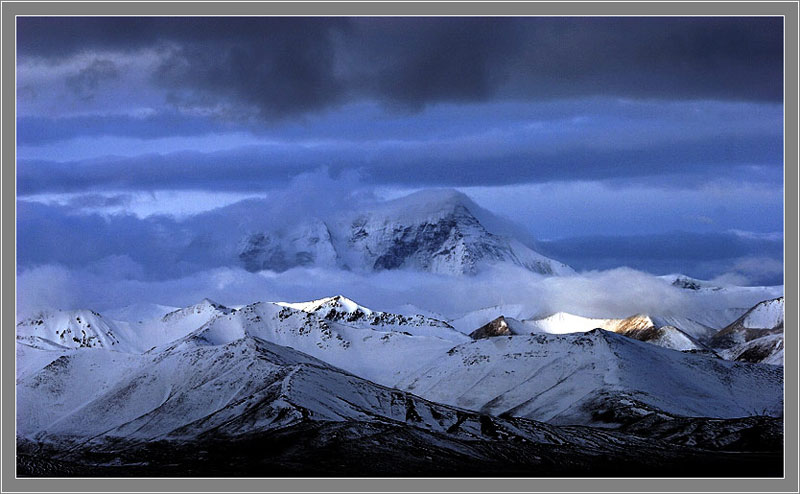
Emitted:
pixel 788 9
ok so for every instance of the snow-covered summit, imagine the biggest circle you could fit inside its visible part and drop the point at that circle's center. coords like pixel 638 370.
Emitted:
pixel 204 307
pixel 337 302
pixel 502 326
pixel 764 318
pixel 640 327
pixel 767 315
pixel 343 310
pixel 757 336
pixel 440 231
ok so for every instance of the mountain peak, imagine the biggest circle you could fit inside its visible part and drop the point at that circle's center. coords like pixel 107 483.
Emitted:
pixel 336 302
pixel 427 205
pixel 430 197
pixel 498 327
pixel 204 306
pixel 438 230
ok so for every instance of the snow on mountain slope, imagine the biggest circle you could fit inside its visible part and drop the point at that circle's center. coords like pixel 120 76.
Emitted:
pixel 183 391
pixel 435 231
pixel 704 287
pixel 698 322
pixel 763 319
pixel 381 355
pixel 201 311
pixel 563 378
pixel 68 384
pixel 705 313
pixel 700 325
pixel 566 379
pixel 666 337
pixel 60 330
pixel 30 359
pixel 438 232
pixel 342 309
pixel 694 328
pixel 173 325
pixel 764 349
pixel 564 322
pixel 639 327
pixel 767 314
pixel 644 328
pixel 241 388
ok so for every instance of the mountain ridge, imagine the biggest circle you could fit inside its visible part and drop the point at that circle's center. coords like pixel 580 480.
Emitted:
pixel 433 231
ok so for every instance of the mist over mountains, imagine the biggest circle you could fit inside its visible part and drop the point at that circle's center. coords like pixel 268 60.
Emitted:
pixel 177 260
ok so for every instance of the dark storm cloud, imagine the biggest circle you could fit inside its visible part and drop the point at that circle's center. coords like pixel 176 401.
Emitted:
pixel 274 67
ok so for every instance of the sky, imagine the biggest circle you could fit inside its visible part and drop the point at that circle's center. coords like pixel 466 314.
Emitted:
pixel 647 143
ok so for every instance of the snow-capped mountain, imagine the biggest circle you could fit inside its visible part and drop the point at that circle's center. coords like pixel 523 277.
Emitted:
pixel 381 354
pixel 341 309
pixel 438 232
pixel 757 336
pixel 307 373
pixel 764 349
pixel 246 386
pixel 698 324
pixel 572 378
pixel 252 407
pixel 197 314
pixel 466 323
pixel 764 318
pixel 520 370
pixel 639 327
pixel 406 351
pixel 241 388
pixel 434 231
pixel 62 330
pixel 502 326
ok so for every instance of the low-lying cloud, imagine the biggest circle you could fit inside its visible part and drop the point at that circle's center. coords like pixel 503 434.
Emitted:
pixel 726 256
pixel 612 293
pixel 159 247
